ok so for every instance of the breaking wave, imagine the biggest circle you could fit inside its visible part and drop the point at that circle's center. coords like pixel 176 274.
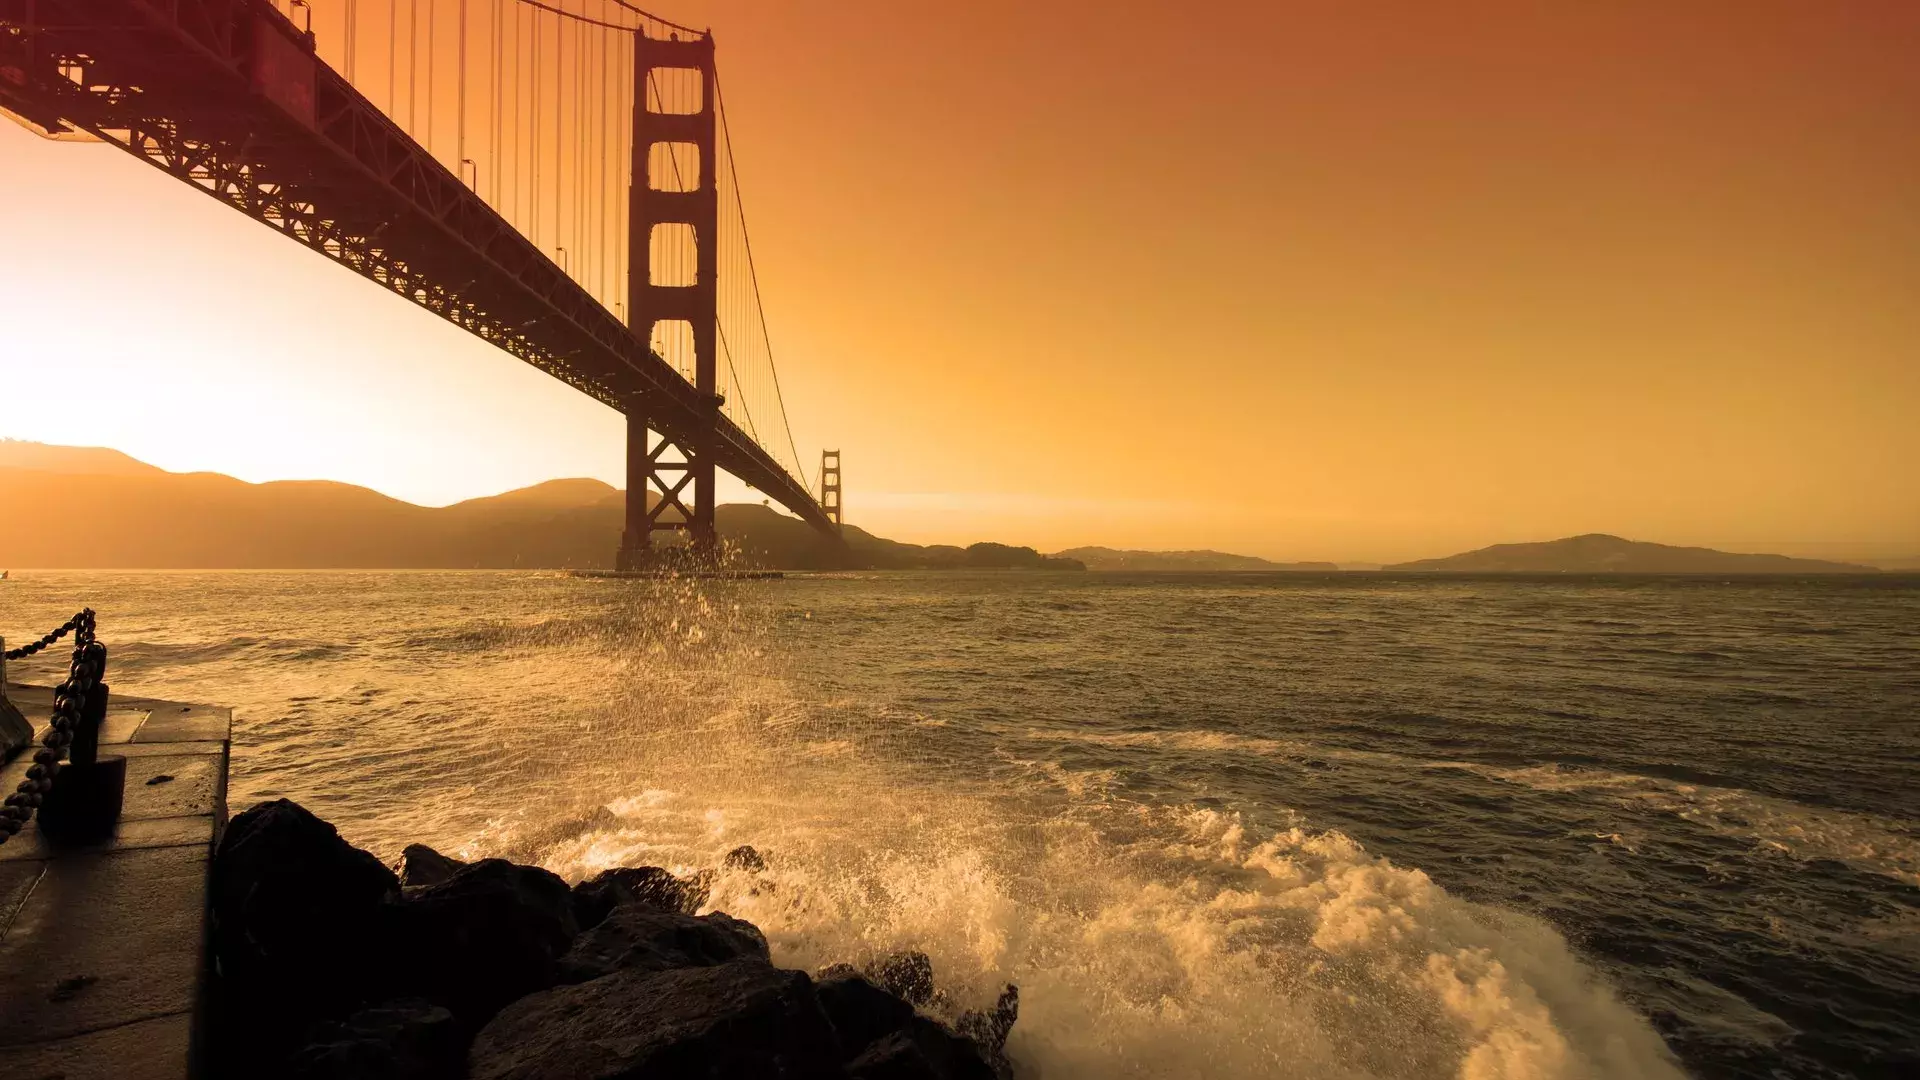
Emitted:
pixel 1152 942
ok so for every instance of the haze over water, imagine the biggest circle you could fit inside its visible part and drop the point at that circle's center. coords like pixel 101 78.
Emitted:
pixel 1212 825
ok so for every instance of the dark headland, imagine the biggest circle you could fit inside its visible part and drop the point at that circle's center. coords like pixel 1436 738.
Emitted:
pixel 1599 553
pixel 1106 558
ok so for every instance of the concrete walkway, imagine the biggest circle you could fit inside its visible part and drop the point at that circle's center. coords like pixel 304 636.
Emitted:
pixel 103 948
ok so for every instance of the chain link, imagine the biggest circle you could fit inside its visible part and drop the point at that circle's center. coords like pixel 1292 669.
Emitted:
pixel 69 703
pixel 52 636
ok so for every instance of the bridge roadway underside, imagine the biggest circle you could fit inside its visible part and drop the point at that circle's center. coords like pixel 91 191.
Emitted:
pixel 228 96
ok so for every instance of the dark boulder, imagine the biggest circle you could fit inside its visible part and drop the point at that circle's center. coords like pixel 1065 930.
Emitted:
pixel 861 1012
pixel 408 1039
pixel 593 899
pixel 646 938
pixel 536 845
pixel 922 1050
pixel 740 1021
pixel 745 858
pixel 295 917
pixel 491 933
pixel 989 1029
pixel 906 975
pixel 421 865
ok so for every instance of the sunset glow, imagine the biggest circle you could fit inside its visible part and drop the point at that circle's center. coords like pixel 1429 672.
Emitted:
pixel 1288 280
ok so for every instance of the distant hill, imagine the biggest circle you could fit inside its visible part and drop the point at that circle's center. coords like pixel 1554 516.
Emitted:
pixel 86 507
pixel 1106 558
pixel 1598 553
pixel 19 454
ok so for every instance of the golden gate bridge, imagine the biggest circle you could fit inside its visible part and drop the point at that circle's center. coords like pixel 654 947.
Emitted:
pixel 554 176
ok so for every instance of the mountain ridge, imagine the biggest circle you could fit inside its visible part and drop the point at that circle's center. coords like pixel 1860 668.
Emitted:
pixel 1604 553
pixel 1199 561
pixel 117 512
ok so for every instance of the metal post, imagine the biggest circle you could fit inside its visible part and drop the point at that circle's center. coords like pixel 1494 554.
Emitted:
pixel 83 806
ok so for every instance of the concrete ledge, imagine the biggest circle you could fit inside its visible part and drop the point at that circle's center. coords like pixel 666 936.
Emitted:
pixel 103 947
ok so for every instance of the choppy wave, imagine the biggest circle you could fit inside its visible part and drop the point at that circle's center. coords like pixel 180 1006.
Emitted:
pixel 1877 845
pixel 1172 943
pixel 1246 827
pixel 1865 841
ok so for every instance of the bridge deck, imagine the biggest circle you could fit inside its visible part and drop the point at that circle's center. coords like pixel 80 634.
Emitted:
pixel 227 96
pixel 103 947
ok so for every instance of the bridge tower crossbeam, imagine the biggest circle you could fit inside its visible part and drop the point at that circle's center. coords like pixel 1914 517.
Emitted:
pixel 678 469
pixel 830 486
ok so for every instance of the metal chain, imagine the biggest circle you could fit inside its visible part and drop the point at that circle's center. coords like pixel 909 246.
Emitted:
pixel 69 702
pixel 53 635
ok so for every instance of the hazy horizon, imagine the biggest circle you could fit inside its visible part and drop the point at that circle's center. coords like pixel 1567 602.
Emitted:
pixel 1838 552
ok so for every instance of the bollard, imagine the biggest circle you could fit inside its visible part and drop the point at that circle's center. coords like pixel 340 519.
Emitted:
pixel 15 733
pixel 84 803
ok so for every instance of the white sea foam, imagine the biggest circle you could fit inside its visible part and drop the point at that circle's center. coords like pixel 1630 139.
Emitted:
pixel 1158 943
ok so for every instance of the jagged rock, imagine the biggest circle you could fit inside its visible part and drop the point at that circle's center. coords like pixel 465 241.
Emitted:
pixel 646 938
pixel 861 1012
pixel 745 858
pixel 906 975
pixel 421 865
pixel 740 1021
pixel 491 933
pixel 697 888
pixel 592 900
pixel 989 1029
pixel 296 913
pixel 535 845
pixel 921 1050
pixel 408 1039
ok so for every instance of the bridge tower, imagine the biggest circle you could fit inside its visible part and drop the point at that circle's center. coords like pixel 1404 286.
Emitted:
pixel 830 486
pixel 681 471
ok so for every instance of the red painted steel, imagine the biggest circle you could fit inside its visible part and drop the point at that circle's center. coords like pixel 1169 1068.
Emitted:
pixel 174 83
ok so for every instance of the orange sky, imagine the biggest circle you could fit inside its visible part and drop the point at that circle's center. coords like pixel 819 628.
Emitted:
pixel 1292 279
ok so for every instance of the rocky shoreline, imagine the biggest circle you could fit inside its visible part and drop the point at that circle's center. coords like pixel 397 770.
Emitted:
pixel 330 965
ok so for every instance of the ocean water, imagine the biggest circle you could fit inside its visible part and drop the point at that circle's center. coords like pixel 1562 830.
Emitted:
pixel 1213 825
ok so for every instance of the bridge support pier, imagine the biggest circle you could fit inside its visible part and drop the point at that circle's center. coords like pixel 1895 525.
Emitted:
pixel 669 489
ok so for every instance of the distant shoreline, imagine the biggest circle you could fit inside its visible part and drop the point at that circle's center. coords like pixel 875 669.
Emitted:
pixel 122 513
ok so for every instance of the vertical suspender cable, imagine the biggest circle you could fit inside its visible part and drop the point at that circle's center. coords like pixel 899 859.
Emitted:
pixel 746 240
pixel 600 181
pixel 433 22
pixel 460 137
pixel 533 162
pixel 493 139
pixel 576 139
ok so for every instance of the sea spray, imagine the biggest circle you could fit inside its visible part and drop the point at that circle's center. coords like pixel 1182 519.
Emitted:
pixel 1713 808
pixel 1188 949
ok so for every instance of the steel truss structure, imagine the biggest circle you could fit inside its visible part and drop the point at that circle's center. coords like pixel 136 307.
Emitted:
pixel 228 96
